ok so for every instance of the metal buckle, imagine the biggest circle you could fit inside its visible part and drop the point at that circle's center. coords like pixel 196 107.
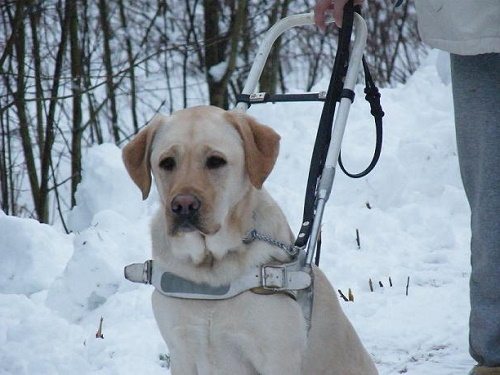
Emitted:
pixel 139 272
pixel 147 272
pixel 274 277
pixel 257 97
pixel 322 95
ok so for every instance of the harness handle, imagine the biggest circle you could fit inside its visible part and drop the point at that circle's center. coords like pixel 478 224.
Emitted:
pixel 334 94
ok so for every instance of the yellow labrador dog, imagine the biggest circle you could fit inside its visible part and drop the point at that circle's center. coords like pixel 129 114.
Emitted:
pixel 209 166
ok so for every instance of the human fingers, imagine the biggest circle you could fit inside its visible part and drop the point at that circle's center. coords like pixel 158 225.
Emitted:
pixel 338 11
pixel 320 13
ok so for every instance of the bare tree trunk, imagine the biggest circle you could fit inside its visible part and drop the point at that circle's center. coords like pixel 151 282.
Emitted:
pixel 165 54
pixel 191 31
pixel 106 32
pixel 215 47
pixel 19 98
pixel 16 23
pixel 269 77
pixel 5 165
pixel 130 57
pixel 166 69
pixel 10 169
pixel 4 185
pixel 214 51
pixel 94 124
pixel 8 180
pixel 76 86
pixel 46 157
pixel 34 20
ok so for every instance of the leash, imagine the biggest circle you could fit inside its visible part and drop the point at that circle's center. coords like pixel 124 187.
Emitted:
pixel 334 94
pixel 372 96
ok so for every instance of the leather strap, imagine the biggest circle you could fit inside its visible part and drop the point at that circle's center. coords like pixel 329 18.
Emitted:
pixel 275 278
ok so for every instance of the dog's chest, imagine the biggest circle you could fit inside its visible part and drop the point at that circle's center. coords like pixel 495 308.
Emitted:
pixel 199 320
pixel 212 332
pixel 215 331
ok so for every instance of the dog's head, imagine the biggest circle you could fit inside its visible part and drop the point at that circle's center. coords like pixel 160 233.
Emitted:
pixel 204 161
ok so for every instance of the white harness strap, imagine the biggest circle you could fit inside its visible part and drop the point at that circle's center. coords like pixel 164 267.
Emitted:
pixel 272 277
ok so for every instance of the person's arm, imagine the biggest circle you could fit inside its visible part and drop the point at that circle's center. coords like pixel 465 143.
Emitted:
pixel 333 7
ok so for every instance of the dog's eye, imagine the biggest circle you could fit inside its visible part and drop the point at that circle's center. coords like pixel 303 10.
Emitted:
pixel 214 162
pixel 167 164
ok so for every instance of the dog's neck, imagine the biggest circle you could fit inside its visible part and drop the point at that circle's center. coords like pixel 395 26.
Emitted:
pixel 221 257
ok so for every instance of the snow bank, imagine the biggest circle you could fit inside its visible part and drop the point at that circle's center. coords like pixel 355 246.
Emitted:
pixel 33 340
pixel 112 224
pixel 411 215
pixel 32 255
pixel 54 288
pixel 105 186
pixel 95 271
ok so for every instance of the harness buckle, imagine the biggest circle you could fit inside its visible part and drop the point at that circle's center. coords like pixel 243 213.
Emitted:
pixel 139 272
pixel 274 277
pixel 147 272
pixel 257 97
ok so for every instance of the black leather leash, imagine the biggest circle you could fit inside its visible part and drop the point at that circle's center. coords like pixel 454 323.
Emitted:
pixel 372 96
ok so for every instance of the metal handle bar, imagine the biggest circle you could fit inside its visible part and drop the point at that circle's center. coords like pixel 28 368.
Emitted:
pixel 279 28
pixel 265 47
pixel 358 46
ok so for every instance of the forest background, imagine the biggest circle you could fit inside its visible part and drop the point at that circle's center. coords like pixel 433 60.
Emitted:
pixel 78 73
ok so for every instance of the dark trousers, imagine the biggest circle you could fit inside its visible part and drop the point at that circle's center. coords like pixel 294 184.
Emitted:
pixel 476 96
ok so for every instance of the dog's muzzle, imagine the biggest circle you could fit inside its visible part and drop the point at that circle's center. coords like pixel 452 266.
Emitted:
pixel 185 210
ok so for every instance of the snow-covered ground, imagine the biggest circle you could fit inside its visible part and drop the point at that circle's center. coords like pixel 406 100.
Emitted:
pixel 411 215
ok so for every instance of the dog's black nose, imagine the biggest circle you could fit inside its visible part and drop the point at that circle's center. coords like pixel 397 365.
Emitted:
pixel 185 205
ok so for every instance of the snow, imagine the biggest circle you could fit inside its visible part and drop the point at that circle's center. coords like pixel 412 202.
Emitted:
pixel 106 186
pixel 217 71
pixel 38 250
pixel 411 215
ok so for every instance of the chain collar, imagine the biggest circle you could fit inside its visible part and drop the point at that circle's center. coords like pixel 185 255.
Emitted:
pixel 253 235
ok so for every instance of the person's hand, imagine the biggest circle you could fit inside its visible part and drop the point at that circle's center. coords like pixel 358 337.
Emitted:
pixel 333 7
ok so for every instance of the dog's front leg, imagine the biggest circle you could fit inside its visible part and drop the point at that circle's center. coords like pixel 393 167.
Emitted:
pixel 284 356
pixel 182 363
pixel 175 320
pixel 278 334
pixel 289 364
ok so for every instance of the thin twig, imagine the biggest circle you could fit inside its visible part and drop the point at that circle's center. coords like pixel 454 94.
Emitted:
pixel 343 296
pixel 98 334
pixel 351 295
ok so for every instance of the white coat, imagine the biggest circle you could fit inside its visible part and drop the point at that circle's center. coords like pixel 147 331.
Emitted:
pixel 463 27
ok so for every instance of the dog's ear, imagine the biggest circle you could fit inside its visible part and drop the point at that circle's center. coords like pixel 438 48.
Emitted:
pixel 261 145
pixel 136 156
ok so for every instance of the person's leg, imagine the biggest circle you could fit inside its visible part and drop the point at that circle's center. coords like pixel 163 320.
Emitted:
pixel 476 96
